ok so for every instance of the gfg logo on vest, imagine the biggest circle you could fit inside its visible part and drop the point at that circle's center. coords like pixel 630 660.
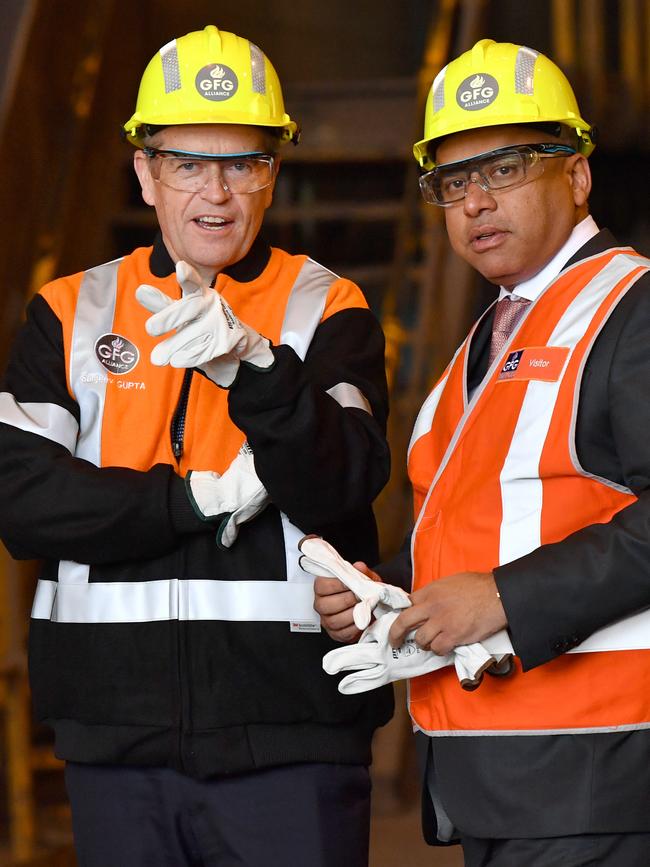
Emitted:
pixel 117 354
pixel 512 362
pixel 216 82
pixel 477 91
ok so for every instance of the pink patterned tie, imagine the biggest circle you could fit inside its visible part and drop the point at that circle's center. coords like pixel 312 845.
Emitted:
pixel 509 311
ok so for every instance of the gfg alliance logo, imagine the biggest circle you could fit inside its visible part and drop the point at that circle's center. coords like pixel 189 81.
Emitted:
pixel 117 354
pixel 216 82
pixel 477 91
pixel 512 362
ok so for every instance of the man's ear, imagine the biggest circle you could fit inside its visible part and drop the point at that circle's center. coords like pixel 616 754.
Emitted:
pixel 143 171
pixel 580 180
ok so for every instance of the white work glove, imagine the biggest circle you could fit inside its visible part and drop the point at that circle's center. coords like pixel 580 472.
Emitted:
pixel 208 335
pixel 500 647
pixel 493 655
pixel 471 661
pixel 320 558
pixel 374 663
pixel 234 497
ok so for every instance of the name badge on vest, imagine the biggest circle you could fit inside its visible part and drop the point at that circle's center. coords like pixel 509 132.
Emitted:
pixel 543 363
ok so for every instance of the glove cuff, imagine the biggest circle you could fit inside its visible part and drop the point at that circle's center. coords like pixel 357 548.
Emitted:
pixel 258 352
pixel 210 519
pixel 222 371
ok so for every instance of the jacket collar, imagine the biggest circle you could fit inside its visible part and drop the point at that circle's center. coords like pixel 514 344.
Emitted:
pixel 604 240
pixel 244 271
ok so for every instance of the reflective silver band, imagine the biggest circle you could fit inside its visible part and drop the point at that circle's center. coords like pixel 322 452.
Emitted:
pixel 302 316
pixel 94 315
pixel 258 69
pixel 305 306
pixel 45 419
pixel 525 70
pixel 470 733
pixel 630 633
pixel 174 599
pixel 170 67
pixel 346 394
pixel 438 90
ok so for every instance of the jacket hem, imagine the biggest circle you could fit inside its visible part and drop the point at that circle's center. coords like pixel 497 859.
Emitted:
pixel 231 750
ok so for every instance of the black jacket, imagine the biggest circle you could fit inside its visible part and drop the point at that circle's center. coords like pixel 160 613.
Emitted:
pixel 202 696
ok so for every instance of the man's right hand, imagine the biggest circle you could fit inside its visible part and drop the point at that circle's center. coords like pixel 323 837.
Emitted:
pixel 335 604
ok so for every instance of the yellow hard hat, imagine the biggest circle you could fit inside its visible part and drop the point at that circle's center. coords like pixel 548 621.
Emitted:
pixel 210 76
pixel 497 83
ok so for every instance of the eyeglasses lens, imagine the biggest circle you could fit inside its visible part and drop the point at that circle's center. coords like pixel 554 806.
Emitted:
pixel 238 175
pixel 448 184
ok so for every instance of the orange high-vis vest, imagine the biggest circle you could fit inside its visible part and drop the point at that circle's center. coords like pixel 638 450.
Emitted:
pixel 103 325
pixel 496 477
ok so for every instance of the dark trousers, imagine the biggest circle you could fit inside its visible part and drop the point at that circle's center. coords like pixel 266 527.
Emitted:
pixel 311 815
pixel 585 850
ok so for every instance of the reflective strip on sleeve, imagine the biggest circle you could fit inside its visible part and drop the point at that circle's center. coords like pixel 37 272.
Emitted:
pixel 305 306
pixel 45 419
pixel 174 599
pixel 346 394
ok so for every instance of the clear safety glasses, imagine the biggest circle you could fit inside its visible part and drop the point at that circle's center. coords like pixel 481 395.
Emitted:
pixel 191 172
pixel 501 169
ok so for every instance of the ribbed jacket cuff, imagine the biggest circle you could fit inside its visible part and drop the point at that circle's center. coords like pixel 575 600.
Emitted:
pixel 183 517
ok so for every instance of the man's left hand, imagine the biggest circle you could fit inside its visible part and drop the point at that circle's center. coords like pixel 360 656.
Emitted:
pixel 458 609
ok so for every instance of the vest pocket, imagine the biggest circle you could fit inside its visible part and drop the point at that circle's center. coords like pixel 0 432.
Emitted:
pixel 427 549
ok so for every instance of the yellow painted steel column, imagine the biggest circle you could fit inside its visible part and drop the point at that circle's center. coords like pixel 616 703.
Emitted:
pixel 563 33
pixel 14 706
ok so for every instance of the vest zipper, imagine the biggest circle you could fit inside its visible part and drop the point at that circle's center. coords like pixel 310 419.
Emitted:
pixel 177 427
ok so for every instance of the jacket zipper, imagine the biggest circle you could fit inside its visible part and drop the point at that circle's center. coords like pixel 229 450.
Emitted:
pixel 177 434
pixel 177 427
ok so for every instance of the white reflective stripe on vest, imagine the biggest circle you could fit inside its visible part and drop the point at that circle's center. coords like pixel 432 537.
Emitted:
pixel 174 599
pixel 45 419
pixel 94 314
pixel 521 487
pixel 630 633
pixel 428 410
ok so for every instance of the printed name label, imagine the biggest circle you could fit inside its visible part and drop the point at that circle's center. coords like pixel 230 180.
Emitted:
pixel 544 363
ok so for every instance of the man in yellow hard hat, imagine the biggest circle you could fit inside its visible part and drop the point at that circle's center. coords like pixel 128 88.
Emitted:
pixel 531 478
pixel 172 423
